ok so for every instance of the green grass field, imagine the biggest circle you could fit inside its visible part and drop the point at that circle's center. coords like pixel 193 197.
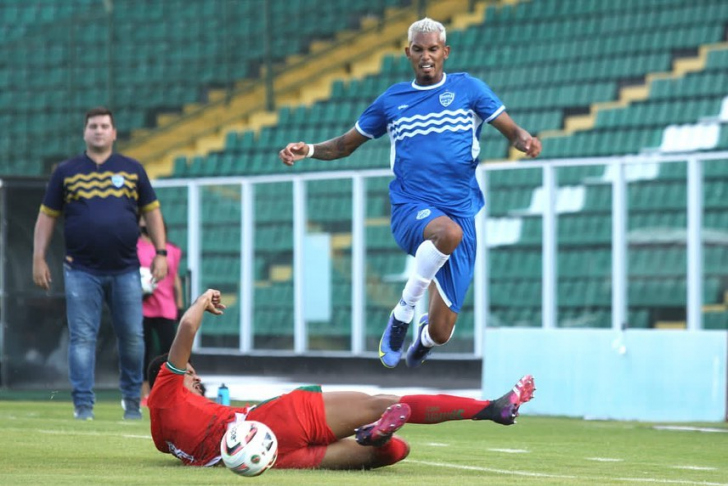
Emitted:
pixel 41 443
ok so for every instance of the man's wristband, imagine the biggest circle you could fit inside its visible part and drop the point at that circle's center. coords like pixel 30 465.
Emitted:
pixel 310 151
pixel 162 252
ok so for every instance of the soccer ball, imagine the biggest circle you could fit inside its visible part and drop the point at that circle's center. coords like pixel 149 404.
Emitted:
pixel 148 282
pixel 249 448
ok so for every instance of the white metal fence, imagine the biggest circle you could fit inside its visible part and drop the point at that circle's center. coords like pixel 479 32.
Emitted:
pixel 619 172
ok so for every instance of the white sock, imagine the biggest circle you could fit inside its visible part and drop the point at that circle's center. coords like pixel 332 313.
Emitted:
pixel 426 339
pixel 428 342
pixel 404 312
pixel 428 261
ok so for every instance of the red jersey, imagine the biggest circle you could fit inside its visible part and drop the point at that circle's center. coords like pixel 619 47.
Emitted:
pixel 187 425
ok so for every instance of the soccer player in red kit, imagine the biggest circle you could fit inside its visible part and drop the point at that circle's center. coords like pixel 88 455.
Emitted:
pixel 315 429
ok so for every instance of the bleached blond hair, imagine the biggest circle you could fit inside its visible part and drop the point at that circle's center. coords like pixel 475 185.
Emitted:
pixel 426 26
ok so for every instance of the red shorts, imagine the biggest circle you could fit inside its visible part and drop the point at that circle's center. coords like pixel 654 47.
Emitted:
pixel 298 419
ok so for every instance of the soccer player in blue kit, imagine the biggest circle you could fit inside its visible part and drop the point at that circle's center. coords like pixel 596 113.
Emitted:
pixel 434 125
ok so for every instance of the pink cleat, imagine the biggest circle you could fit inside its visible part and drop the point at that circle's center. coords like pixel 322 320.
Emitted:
pixel 378 433
pixel 505 409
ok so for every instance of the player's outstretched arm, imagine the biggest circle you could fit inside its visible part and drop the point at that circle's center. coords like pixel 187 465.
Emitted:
pixel 336 148
pixel 518 137
pixel 179 352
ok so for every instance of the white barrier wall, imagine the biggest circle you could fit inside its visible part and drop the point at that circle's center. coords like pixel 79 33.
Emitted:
pixel 646 375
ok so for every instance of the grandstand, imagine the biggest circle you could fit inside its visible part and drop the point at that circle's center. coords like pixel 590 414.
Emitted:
pixel 612 79
pixel 192 85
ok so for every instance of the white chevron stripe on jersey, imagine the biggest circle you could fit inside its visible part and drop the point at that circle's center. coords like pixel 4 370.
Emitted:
pixel 428 123
pixel 449 128
pixel 406 119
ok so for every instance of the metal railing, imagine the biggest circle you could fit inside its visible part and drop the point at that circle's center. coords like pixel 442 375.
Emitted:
pixel 482 281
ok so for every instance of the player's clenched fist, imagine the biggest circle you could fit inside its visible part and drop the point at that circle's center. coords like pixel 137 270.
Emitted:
pixel 293 152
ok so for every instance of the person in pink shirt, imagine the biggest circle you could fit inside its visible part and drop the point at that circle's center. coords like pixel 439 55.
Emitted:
pixel 161 307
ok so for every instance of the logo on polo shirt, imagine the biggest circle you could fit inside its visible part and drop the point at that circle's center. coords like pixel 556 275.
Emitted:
pixel 423 213
pixel 117 180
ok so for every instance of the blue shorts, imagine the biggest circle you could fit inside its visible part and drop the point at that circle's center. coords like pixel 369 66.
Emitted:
pixel 453 279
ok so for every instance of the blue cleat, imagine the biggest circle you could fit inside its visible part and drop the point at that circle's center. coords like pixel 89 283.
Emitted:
pixel 417 353
pixel 390 346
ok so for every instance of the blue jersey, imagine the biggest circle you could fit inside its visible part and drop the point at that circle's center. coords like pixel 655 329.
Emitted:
pixel 101 204
pixel 434 132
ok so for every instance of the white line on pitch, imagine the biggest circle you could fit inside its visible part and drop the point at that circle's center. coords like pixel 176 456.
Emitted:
pixel 492 470
pixel 584 479
pixel 695 468
pixel 683 428
pixel 603 459
pixel 669 481
pixel 91 433
pixel 510 451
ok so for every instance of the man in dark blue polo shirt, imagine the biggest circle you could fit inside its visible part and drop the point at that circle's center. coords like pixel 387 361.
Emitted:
pixel 101 194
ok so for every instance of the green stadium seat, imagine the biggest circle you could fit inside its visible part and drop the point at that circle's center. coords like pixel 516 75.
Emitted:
pixel 715 320
pixel 638 319
pixel 149 77
pixel 380 238
pixel 723 142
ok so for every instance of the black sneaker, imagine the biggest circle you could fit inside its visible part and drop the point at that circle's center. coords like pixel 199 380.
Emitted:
pixel 390 346
pixel 417 353
pixel 132 410
pixel 83 413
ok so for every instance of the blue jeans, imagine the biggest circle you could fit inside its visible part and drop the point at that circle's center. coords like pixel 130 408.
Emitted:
pixel 85 294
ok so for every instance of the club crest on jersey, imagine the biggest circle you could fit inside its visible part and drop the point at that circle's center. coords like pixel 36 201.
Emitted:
pixel 117 180
pixel 446 98
pixel 422 214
